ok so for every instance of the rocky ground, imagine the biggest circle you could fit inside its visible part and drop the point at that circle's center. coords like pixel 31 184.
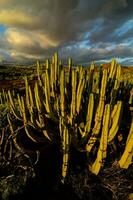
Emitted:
pixel 23 176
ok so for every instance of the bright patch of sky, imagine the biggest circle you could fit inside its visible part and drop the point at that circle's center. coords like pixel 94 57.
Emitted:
pixel 123 61
pixel 83 44
pixel 2 28
pixel 124 28
pixel 128 42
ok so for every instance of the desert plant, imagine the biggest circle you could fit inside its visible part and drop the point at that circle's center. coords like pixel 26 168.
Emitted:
pixel 66 108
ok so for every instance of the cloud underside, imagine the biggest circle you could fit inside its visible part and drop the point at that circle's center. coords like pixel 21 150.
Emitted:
pixel 86 30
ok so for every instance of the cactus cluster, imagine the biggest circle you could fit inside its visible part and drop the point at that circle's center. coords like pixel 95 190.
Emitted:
pixel 74 106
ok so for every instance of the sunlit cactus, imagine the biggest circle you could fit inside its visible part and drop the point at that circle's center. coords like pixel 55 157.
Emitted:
pixel 85 106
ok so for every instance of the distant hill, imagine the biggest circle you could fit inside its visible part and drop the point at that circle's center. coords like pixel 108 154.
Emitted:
pixel 124 68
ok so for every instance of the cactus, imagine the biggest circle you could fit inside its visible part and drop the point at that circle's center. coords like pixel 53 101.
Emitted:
pixel 102 151
pixel 89 115
pixel 127 156
pixel 80 89
pixel 99 114
pixel 74 100
pixel 56 67
pixel 62 93
pixel 38 67
pixel 85 112
pixel 65 148
pixel 115 122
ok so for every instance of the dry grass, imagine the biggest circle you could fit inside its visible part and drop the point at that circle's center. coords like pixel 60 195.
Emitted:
pixel 112 183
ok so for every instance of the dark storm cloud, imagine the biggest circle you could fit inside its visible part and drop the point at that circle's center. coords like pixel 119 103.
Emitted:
pixel 87 29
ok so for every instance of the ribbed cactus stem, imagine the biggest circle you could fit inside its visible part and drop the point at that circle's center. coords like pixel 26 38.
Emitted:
pixel 103 84
pixel 102 151
pixel 62 93
pixel 52 80
pixel 47 93
pixel 80 89
pixel 47 64
pixel 11 99
pixel 112 69
pixel 92 67
pixel 27 92
pixel 65 147
pixel 74 92
pixel 99 113
pixel 24 111
pixel 127 156
pixel 37 98
pixel 56 66
pixel 20 104
pixel 115 122
pixel 31 98
pixel 69 69
pixel 11 105
pixel 89 116
pixel 38 67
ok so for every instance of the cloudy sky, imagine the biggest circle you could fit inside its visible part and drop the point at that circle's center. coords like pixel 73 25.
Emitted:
pixel 87 30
